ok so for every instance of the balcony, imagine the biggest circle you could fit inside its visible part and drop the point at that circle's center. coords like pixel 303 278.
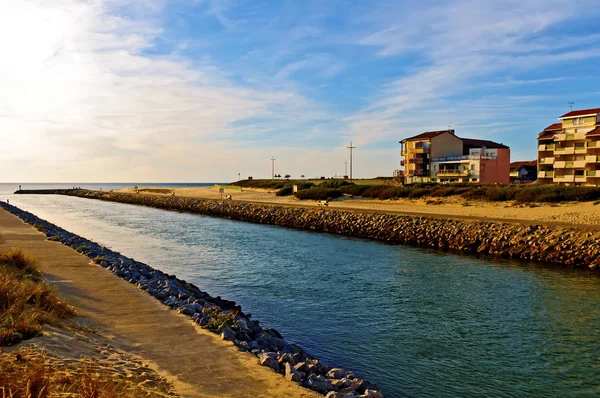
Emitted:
pixel 546 147
pixel 545 174
pixel 579 164
pixel 581 178
pixel 569 136
pixel 592 159
pixel 420 150
pixel 418 161
pixel 547 160
pixel 592 173
pixel 580 149
pixel 593 144
pixel 563 164
pixel 453 173
pixel 564 151
pixel 566 178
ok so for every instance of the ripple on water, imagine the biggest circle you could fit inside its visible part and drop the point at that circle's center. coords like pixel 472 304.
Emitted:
pixel 417 322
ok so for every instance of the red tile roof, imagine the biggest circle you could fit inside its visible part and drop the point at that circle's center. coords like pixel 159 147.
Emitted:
pixel 595 131
pixel 555 126
pixel 429 134
pixel 473 143
pixel 582 112
pixel 530 163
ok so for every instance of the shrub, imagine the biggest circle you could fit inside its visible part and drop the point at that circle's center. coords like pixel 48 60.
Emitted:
pixel 416 193
pixel 318 193
pixel 335 184
pixel 373 191
pixel 25 303
pixel 286 191
pixel 557 193
pixel 497 194
pixel 354 190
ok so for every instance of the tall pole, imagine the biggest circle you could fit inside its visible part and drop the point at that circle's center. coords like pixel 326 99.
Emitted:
pixel 273 168
pixel 351 148
pixel 345 167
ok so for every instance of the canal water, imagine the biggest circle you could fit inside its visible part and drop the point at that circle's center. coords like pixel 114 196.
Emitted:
pixel 418 323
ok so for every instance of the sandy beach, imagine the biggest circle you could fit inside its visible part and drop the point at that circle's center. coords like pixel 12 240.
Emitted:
pixel 584 214
pixel 135 334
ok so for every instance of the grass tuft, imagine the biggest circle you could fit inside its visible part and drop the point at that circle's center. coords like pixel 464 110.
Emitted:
pixel 25 301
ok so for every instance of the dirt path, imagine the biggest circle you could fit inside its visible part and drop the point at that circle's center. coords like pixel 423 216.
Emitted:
pixel 197 362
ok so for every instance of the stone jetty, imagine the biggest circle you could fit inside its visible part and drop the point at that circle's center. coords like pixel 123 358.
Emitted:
pixel 566 247
pixel 218 315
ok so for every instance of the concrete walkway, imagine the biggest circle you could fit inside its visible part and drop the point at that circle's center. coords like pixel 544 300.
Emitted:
pixel 197 362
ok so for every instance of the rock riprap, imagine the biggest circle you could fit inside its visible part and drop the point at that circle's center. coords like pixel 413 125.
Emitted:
pixel 570 247
pixel 218 315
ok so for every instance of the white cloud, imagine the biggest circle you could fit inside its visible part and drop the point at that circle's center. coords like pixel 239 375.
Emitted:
pixel 81 99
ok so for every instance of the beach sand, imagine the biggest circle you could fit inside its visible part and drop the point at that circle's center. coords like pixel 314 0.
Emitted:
pixel 584 214
pixel 135 333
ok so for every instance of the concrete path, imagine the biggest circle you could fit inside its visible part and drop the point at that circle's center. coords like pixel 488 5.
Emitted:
pixel 197 362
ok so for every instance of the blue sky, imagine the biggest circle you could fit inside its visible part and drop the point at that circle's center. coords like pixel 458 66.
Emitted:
pixel 131 90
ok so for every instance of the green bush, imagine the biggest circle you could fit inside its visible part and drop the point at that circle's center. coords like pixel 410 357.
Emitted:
pixel 354 190
pixel 286 191
pixel 498 194
pixel 318 193
pixel 557 193
pixel 335 184
pixel 373 191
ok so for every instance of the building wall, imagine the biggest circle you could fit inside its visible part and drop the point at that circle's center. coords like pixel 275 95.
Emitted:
pixel 496 171
pixel 446 144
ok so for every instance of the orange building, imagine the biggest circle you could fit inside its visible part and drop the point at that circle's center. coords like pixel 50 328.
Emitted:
pixel 569 151
pixel 441 156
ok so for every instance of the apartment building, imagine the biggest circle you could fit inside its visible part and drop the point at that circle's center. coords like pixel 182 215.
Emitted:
pixel 569 151
pixel 441 156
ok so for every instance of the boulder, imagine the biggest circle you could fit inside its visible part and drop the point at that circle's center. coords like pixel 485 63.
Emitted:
pixel 227 334
pixel 268 360
pixel 291 373
pixel 336 373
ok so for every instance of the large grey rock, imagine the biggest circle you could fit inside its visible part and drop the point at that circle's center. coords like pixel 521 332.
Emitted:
pixel 320 385
pixel 291 373
pixel 336 373
pixel 372 394
pixel 227 334
pixel 266 359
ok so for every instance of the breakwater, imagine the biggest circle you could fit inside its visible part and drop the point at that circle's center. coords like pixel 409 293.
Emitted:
pixel 568 247
pixel 218 315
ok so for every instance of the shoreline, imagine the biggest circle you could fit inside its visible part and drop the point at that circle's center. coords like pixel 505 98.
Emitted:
pixel 571 247
pixel 214 314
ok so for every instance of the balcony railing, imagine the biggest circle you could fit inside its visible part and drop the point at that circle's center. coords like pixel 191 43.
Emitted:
pixel 564 151
pixel 545 174
pixel 417 161
pixel 453 173
pixel 569 136
pixel 592 173
pixel 592 144
pixel 580 178
pixel 546 160
pixel 565 178
pixel 463 157
pixel 546 147
pixel 420 150
pixel 592 159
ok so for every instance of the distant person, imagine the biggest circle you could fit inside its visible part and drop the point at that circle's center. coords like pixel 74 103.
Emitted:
pixel 19 187
pixel 7 202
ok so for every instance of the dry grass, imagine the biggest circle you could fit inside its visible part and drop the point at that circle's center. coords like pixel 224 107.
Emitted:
pixel 26 302
pixel 29 373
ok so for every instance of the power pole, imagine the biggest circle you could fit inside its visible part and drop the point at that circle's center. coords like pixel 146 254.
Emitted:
pixel 345 167
pixel 351 148
pixel 273 168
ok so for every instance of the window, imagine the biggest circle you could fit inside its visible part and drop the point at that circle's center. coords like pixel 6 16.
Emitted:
pixel 473 167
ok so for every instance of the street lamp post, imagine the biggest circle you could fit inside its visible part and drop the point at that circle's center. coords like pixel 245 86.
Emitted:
pixel 273 168
pixel 351 148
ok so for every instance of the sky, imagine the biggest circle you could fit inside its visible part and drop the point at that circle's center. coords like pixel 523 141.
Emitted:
pixel 199 91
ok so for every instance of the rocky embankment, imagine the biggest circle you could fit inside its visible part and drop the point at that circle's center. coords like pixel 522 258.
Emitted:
pixel 567 247
pixel 215 314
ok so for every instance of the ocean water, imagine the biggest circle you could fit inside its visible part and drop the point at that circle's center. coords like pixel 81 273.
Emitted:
pixel 9 188
pixel 417 322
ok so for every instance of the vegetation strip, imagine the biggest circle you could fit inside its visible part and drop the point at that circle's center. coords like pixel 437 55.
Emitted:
pixel 567 247
pixel 215 314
